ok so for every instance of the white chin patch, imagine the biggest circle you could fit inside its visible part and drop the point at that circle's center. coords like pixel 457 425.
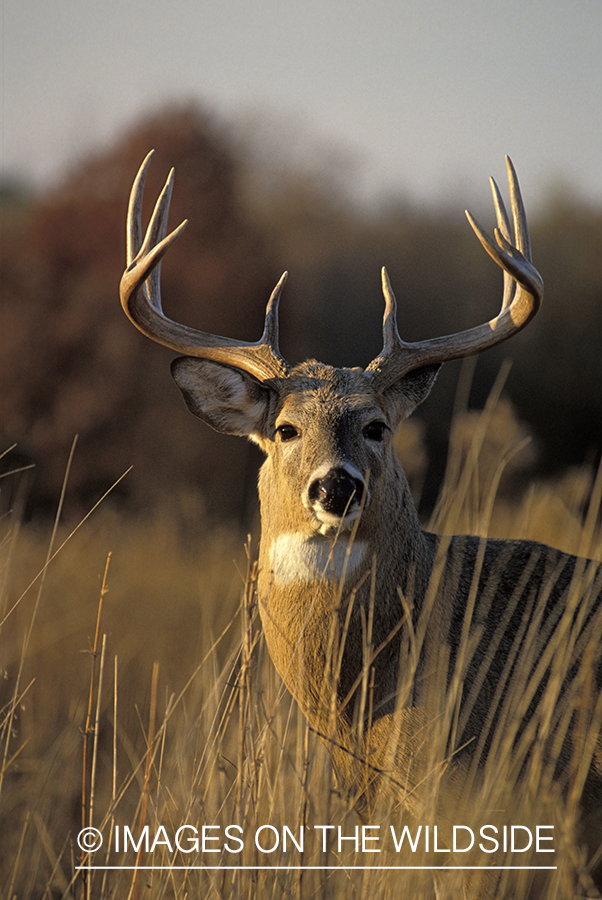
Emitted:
pixel 299 557
pixel 331 524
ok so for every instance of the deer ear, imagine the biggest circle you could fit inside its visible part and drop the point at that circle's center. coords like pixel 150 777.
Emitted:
pixel 408 392
pixel 226 398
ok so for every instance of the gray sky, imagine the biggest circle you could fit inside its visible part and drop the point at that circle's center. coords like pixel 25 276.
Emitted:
pixel 427 95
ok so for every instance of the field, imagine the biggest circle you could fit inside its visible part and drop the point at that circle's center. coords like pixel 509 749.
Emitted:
pixel 138 699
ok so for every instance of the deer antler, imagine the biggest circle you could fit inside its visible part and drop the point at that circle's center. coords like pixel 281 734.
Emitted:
pixel 141 295
pixel 523 293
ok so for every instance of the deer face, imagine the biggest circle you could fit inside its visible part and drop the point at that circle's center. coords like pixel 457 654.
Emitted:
pixel 328 440
pixel 327 434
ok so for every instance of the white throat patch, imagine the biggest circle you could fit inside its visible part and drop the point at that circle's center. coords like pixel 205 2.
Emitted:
pixel 300 557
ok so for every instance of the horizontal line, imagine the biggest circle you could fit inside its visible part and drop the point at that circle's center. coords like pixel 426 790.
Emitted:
pixel 322 868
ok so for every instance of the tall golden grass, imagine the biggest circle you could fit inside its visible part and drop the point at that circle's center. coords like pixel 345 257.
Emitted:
pixel 137 692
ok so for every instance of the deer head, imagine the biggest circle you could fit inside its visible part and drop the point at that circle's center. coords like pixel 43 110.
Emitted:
pixel 326 432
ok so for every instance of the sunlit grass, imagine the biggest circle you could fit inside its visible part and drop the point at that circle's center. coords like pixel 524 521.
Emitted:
pixel 188 723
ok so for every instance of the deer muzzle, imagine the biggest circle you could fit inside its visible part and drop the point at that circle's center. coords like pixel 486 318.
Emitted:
pixel 336 495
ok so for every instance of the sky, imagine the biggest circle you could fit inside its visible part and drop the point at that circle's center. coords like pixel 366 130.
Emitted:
pixel 423 98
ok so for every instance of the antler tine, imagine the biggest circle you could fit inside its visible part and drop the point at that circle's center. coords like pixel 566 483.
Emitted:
pixel 523 293
pixel 391 338
pixel 271 334
pixel 503 222
pixel 503 226
pixel 521 232
pixel 134 216
pixel 141 295
pixel 156 237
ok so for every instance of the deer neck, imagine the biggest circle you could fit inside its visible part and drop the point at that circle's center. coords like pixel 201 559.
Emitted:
pixel 317 591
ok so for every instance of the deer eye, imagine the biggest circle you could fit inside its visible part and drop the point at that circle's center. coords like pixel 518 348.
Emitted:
pixel 375 431
pixel 287 432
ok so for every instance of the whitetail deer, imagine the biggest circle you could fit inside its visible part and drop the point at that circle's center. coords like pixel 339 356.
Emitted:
pixel 386 634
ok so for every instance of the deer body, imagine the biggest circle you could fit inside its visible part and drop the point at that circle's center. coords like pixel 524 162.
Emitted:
pixel 385 634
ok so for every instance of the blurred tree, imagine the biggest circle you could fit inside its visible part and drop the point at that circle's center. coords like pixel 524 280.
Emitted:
pixel 560 389
pixel 70 361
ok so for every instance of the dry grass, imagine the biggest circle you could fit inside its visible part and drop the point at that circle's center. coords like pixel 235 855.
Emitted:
pixel 136 692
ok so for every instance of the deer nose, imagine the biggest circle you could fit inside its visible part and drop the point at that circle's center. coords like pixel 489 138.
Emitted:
pixel 337 492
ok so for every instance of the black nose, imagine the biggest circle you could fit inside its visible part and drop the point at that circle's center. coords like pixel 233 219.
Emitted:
pixel 337 492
